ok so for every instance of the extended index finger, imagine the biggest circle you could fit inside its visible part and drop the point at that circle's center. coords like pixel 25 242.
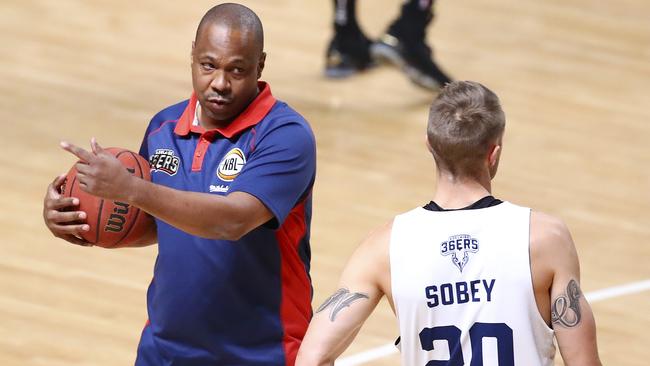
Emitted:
pixel 77 151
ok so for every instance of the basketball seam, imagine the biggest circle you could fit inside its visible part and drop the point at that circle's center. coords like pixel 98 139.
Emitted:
pixel 74 180
pixel 101 208
pixel 99 219
pixel 135 219
pixel 119 239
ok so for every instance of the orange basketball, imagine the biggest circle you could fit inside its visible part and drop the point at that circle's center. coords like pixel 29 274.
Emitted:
pixel 112 224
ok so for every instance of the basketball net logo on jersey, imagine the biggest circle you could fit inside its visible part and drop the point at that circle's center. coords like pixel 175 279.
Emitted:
pixel 231 165
pixel 457 245
pixel 164 160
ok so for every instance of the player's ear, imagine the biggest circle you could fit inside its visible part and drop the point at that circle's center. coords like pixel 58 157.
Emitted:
pixel 426 141
pixel 260 64
pixel 493 159
pixel 495 152
pixel 192 53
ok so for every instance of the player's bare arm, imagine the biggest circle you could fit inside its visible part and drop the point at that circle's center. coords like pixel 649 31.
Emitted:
pixel 565 308
pixel 340 300
pixel 557 270
pixel 217 217
pixel 365 279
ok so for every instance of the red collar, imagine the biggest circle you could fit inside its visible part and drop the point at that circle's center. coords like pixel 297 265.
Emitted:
pixel 251 116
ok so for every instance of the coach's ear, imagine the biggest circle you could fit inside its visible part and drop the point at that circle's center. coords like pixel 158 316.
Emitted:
pixel 260 64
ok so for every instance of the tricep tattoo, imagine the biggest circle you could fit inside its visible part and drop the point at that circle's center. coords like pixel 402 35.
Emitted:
pixel 340 300
pixel 565 309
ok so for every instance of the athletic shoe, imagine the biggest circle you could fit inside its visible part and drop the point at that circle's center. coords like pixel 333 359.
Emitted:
pixel 414 58
pixel 348 54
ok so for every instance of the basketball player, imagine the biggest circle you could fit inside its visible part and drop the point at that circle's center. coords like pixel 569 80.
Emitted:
pixel 472 279
pixel 232 173
pixel 403 44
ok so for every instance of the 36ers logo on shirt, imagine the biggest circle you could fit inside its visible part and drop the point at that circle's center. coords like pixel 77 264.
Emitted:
pixel 164 160
pixel 231 165
pixel 458 245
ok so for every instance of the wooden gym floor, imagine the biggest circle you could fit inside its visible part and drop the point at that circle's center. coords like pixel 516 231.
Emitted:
pixel 573 76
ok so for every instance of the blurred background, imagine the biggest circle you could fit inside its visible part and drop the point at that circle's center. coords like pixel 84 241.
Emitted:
pixel 572 75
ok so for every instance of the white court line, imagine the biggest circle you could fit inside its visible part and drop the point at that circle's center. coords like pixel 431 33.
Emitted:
pixel 594 296
pixel 367 356
pixel 616 291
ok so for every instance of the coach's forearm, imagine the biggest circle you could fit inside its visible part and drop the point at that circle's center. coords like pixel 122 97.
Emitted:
pixel 200 214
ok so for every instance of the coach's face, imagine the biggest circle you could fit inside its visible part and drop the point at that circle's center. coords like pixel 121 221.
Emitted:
pixel 226 64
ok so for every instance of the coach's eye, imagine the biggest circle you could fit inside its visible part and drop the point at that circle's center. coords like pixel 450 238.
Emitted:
pixel 207 66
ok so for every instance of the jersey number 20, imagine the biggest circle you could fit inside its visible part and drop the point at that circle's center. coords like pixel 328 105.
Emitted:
pixel 477 332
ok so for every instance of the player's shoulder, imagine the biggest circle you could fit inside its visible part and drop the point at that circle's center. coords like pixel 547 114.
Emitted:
pixel 382 232
pixel 373 253
pixel 549 233
pixel 377 241
pixel 551 225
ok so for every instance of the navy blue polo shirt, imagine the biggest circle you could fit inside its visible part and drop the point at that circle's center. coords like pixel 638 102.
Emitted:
pixel 220 302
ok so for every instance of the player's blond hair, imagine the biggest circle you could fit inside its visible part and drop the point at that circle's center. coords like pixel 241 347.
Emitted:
pixel 465 120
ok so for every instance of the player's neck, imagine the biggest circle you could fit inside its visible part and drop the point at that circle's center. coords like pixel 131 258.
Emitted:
pixel 458 192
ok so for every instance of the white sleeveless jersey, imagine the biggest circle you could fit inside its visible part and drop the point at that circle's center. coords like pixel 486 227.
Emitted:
pixel 462 288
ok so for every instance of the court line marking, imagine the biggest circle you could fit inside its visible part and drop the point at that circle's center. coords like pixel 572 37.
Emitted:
pixel 616 291
pixel 594 296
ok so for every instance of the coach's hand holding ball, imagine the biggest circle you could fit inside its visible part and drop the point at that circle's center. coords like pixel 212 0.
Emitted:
pixel 100 173
pixel 61 214
pixel 98 187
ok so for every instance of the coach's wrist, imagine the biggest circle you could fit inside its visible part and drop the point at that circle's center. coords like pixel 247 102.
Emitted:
pixel 134 191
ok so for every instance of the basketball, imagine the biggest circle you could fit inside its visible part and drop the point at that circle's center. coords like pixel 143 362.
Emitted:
pixel 112 224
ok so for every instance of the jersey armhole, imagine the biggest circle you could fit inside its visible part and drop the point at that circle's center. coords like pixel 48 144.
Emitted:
pixel 537 316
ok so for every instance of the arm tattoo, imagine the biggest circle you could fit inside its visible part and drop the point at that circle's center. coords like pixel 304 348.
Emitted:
pixel 565 309
pixel 340 300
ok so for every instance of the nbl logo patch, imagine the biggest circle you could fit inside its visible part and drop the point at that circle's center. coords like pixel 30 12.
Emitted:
pixel 164 160
pixel 231 165
pixel 459 246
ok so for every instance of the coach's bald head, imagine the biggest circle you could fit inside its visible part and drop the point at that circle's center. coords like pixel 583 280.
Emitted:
pixel 235 17
pixel 227 61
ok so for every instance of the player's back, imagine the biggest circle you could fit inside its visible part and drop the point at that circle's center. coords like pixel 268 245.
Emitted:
pixel 462 288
